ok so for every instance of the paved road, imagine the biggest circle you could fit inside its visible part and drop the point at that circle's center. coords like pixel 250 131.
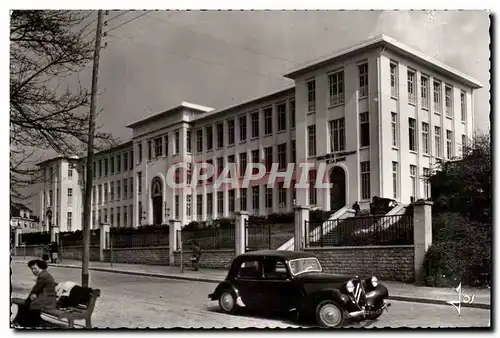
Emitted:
pixel 140 302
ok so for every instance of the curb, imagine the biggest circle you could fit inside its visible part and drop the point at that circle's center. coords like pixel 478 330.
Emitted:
pixel 216 281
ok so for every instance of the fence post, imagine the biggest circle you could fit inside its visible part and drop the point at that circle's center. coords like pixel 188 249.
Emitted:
pixel 301 216
pixel 239 232
pixel 172 243
pixel 422 235
pixel 102 241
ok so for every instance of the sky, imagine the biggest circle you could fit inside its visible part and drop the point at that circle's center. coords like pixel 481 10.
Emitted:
pixel 217 59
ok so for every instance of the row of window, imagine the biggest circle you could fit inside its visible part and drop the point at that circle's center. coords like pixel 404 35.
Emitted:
pixel 114 218
pixel 413 181
pixel 114 189
pixel 115 164
pixel 425 92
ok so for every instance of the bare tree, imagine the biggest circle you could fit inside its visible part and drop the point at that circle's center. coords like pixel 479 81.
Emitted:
pixel 48 105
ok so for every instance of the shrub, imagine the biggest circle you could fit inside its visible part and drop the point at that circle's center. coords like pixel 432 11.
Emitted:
pixel 461 252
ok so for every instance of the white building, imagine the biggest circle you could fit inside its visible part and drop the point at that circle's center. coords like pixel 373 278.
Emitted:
pixel 381 112
pixel 22 217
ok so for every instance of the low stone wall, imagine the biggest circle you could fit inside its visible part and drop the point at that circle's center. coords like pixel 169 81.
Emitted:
pixel 214 259
pixel 29 251
pixel 392 263
pixel 76 252
pixel 153 255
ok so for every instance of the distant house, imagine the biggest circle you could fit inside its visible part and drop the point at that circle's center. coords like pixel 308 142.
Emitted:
pixel 22 216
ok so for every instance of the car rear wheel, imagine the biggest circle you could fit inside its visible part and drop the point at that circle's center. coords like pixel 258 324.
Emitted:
pixel 329 314
pixel 227 302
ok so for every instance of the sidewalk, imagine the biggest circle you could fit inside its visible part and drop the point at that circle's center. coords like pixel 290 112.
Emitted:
pixel 397 291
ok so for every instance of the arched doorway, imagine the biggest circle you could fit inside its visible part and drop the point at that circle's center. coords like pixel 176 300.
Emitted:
pixel 337 189
pixel 157 199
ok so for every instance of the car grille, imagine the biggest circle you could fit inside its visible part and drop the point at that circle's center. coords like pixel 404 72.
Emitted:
pixel 359 293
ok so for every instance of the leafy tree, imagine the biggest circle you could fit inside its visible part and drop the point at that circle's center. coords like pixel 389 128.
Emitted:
pixel 48 48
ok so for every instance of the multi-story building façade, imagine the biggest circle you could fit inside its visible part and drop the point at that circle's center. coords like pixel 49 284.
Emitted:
pixel 380 112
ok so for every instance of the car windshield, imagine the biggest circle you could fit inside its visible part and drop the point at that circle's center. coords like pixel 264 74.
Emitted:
pixel 301 265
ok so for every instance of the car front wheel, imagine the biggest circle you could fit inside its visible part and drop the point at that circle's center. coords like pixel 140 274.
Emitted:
pixel 329 314
pixel 227 302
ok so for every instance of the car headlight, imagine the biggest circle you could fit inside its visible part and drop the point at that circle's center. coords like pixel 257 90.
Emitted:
pixel 350 286
pixel 374 281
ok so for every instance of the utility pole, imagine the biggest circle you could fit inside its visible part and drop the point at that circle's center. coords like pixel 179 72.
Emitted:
pixel 90 154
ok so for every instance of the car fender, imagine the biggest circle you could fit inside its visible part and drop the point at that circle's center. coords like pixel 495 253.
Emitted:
pixel 325 294
pixel 222 287
pixel 376 296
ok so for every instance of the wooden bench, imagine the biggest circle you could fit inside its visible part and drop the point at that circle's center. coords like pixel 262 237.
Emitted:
pixel 80 312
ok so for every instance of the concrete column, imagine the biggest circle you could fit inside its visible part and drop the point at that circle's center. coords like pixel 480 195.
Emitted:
pixel 422 234
pixel 105 230
pixel 54 229
pixel 301 216
pixel 239 234
pixel 17 237
pixel 172 244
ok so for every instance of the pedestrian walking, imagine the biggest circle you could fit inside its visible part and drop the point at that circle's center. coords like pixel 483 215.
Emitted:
pixel 41 297
pixel 195 260
pixel 46 253
pixel 356 208
pixel 53 252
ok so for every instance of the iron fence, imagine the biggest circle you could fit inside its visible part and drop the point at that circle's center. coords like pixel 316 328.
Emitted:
pixel 361 231
pixel 76 238
pixel 139 239
pixel 208 239
pixel 35 238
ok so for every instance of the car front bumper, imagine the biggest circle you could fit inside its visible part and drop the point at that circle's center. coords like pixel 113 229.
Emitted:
pixel 366 312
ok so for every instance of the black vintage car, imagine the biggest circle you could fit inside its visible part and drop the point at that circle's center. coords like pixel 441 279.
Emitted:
pixel 286 281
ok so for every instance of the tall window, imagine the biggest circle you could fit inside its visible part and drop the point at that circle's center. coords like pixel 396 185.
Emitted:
pixel 94 201
pixel 118 163
pixel 313 197
pixel 449 144
pixel 281 117
pixel 363 80
pixel 395 180
pixel 424 91
pixel 336 86
pixel 449 101
pixel 255 198
pixel 243 128
pixel 199 205
pixel 231 159
pixel 311 96
pixel 220 203
pixel 125 159
pixel 243 199
pixel 210 178
pixel 365 180
pixel 311 140
pixel 158 147
pixel 411 87
pixel 231 200
pixel 112 189
pixel 70 170
pixel 243 163
pixel 166 150
pixel 282 163
pixel 394 129
pixel 427 183
pixel 131 184
pixel 70 196
pixel 189 204
pixel 112 216
pixel 463 107
pixel 437 141
pixel 118 213
pixel 281 195
pixel 268 158
pixel 425 137
pixel 230 132
pixel 139 151
pixel 394 80
pixel 105 192
pixel 199 140
pixel 210 205
pixel 220 135
pixel 99 194
pixel 69 220
pixel 412 132
pixel 106 165
pixel 177 145
pixel 255 124
pixel 437 96
pixel 125 187
pixel 139 182
pixel 268 121
pixel 189 147
pixel 94 169
pixel 364 129
pixel 294 152
pixel 337 135
pixel 413 179
pixel 118 190
pixel 125 218
pixel 150 155
pixel 131 213
pixel 269 197
pixel 209 132
pixel 177 207
pixel 292 114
